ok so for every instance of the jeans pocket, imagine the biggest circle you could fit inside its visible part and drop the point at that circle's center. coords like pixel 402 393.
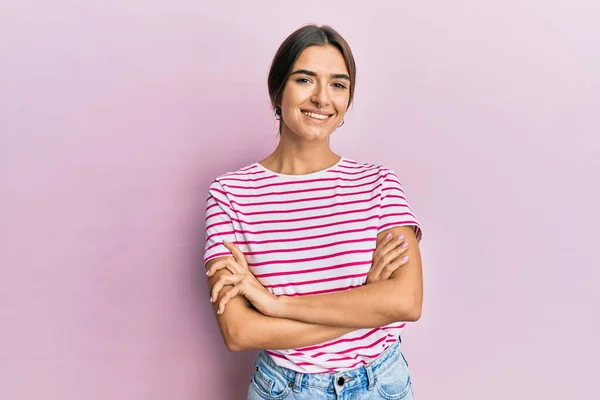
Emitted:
pixel 269 384
pixel 393 383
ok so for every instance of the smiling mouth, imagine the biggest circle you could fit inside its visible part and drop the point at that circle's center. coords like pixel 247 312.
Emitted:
pixel 320 117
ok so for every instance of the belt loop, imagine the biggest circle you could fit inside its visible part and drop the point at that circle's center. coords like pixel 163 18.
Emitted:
pixel 370 376
pixel 298 382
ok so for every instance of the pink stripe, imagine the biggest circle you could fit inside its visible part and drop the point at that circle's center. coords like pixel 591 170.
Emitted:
pixel 326 206
pixel 397 215
pixel 360 362
pixel 223 203
pixel 395 327
pixel 305 228
pixel 366 335
pixel 226 254
pixel 291 239
pixel 390 196
pixel 309 259
pixel 300 249
pixel 246 180
pixel 395 205
pixel 301 182
pixel 311 218
pixel 369 346
pixel 378 168
pixel 276 355
pixel 215 215
pixel 354 357
pixel 343 232
pixel 398 223
pixel 245 169
pixel 299 200
pixel 363 167
pixel 323 291
pixel 306 271
pixel 209 227
pixel 212 205
pixel 289 192
pixel 387 189
pixel 402 214
pixel 335 278
pixel 356 164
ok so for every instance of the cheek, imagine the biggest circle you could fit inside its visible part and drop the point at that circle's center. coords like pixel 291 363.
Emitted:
pixel 294 95
pixel 340 102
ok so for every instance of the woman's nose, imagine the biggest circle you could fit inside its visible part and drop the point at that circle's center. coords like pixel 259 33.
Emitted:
pixel 321 96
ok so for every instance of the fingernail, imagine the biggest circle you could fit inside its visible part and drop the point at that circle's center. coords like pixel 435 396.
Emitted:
pixel 400 237
pixel 207 272
pixel 389 235
pixel 404 244
pixel 219 312
pixel 225 241
pixel 211 299
pixel 405 258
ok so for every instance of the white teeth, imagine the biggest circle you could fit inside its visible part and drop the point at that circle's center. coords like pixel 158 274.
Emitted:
pixel 315 116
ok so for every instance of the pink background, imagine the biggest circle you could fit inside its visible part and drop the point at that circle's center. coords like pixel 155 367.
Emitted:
pixel 115 116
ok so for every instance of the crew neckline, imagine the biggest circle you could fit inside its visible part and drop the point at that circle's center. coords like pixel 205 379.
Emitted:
pixel 300 176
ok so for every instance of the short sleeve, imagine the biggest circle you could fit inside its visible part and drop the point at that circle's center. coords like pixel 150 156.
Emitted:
pixel 218 223
pixel 395 210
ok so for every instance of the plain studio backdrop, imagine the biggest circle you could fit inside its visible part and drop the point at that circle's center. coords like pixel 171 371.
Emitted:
pixel 116 115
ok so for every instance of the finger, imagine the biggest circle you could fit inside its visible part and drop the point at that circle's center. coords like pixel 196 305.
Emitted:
pixel 382 245
pixel 392 255
pixel 234 291
pixel 386 248
pixel 386 239
pixel 389 269
pixel 228 263
pixel 385 260
pixel 237 253
pixel 221 282
pixel 219 265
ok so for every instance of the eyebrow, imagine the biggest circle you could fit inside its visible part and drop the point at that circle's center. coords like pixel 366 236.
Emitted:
pixel 311 73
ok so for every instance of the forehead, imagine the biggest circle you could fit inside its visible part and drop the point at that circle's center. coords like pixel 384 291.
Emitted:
pixel 322 60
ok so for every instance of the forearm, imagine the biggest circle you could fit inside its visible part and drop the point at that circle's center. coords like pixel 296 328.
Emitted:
pixel 257 331
pixel 367 306
pixel 396 299
pixel 245 328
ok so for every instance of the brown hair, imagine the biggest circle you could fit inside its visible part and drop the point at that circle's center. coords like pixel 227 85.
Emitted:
pixel 292 47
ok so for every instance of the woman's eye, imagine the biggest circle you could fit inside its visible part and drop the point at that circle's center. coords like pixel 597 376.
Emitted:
pixel 339 85
pixel 302 80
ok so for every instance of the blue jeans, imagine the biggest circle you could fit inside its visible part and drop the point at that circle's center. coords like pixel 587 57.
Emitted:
pixel 387 377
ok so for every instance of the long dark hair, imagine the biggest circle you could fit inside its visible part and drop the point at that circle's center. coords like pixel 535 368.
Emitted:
pixel 292 47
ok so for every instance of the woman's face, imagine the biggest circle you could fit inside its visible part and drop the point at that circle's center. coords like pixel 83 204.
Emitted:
pixel 319 78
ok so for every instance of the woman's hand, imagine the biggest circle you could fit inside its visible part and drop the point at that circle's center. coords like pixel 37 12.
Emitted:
pixel 388 257
pixel 243 281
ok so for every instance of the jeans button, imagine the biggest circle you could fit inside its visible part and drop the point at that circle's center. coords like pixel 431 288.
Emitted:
pixel 341 381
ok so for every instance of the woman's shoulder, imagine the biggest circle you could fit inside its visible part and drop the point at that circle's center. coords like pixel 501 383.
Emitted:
pixel 349 164
pixel 241 173
pixel 244 177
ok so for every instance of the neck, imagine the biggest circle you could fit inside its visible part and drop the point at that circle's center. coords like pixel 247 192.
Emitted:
pixel 294 156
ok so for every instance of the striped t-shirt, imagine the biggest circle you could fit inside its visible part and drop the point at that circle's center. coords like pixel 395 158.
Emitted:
pixel 307 235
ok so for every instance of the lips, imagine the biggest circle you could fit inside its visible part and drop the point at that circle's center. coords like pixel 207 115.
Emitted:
pixel 318 115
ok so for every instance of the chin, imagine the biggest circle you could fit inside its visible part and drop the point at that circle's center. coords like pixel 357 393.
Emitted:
pixel 310 132
pixel 311 135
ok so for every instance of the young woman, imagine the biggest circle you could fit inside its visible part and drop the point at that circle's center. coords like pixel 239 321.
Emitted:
pixel 312 257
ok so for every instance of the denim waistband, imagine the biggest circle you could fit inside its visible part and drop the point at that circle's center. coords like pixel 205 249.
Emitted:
pixel 330 382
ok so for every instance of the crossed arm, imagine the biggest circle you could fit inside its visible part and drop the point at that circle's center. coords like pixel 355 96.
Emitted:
pixel 308 320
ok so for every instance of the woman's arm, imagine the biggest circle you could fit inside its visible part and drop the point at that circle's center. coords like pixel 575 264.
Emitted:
pixel 244 328
pixel 397 299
